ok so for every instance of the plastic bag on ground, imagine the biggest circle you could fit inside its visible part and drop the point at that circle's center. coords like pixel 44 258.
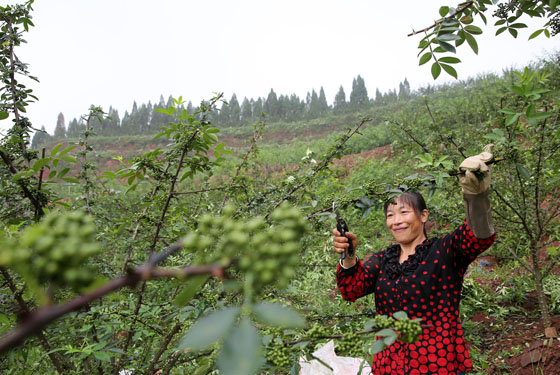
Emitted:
pixel 339 365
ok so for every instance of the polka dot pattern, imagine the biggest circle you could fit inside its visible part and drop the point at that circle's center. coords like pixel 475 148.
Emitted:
pixel 427 286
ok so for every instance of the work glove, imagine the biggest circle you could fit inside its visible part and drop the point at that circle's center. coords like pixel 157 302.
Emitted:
pixel 475 174
pixel 475 183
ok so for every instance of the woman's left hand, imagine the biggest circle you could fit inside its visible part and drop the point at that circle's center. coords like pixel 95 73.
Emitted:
pixel 476 174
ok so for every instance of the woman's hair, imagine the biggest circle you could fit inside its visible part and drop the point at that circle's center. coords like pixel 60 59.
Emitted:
pixel 413 199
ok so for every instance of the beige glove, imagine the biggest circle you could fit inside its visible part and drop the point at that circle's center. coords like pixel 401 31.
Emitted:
pixel 470 182
pixel 476 192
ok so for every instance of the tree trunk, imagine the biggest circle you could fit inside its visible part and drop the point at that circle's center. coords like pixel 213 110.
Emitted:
pixel 537 275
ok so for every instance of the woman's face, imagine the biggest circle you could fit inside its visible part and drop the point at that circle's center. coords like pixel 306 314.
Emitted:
pixel 404 223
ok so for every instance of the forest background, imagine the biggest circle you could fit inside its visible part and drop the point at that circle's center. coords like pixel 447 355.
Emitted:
pixel 177 253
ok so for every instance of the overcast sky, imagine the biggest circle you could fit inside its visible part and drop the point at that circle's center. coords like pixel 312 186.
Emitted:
pixel 113 52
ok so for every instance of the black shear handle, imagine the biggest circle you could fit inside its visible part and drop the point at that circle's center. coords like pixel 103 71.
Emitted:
pixel 342 229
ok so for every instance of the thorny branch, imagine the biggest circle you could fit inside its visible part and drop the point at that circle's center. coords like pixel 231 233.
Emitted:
pixel 464 6
pixel 40 318
pixel 323 164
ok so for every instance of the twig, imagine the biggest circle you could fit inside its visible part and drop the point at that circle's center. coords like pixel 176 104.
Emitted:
pixel 139 222
pixel 439 133
pixel 37 217
pixel 403 128
pixel 34 201
pixel 322 165
pixel 459 10
pixel 256 135
pixel 163 347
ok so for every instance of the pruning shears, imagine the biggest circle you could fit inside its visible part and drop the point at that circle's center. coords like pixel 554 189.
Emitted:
pixel 342 228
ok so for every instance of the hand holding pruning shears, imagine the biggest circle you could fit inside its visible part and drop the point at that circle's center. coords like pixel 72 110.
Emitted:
pixel 345 242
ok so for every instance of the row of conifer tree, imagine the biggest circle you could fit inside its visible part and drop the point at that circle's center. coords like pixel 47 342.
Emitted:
pixel 143 119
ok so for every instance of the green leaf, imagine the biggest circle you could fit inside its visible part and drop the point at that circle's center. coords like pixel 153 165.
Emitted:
pixel 443 11
pixel 193 285
pixel 512 119
pixel 449 60
pixel 425 58
pixel 501 30
pixel 4 115
pixel 55 149
pixel 71 180
pixel 63 172
pixel 377 347
pixel 66 150
pixel 26 173
pixel 386 332
pixel 536 34
pixel 204 367
pixel 466 20
pixel 449 70
pixel 436 70
pixel 513 32
pixel 40 164
pixel 547 33
pixel 499 22
pixel 472 29
pixel 110 175
pixel 446 46
pixel 518 25
pixel 70 159
pixel 472 42
pixel 242 351
pixel 102 356
pixel 390 340
pixel 448 37
pixel 521 169
pixel 209 329
pixel 400 315
pixel 278 316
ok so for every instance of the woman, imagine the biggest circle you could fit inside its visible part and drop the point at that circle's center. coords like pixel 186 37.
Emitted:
pixel 423 277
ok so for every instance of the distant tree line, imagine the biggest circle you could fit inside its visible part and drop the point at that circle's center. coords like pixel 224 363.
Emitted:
pixel 143 119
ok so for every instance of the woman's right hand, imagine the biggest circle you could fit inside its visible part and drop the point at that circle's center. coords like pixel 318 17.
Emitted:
pixel 341 244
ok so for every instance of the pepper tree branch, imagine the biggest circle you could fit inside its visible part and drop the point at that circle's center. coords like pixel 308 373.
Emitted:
pixel 34 201
pixel 450 139
pixel 163 347
pixel 54 357
pixel 323 164
pixel 185 149
pixel 257 134
pixel 139 222
pixel 409 134
pixel 39 319
pixel 464 6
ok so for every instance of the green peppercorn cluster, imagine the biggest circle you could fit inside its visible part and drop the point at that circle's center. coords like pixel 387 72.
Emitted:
pixel 350 345
pixel 55 249
pixel 316 332
pixel 274 255
pixel 383 321
pixel 278 353
pixel 270 253
pixel 409 330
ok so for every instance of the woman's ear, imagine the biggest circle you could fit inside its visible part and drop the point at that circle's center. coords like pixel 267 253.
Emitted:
pixel 424 216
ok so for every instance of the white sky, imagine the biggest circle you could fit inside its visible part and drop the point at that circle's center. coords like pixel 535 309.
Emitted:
pixel 112 52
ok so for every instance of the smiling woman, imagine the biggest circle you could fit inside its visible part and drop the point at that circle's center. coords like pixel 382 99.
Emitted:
pixel 422 276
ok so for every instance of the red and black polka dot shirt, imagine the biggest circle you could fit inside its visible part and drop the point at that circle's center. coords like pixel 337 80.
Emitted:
pixel 428 286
